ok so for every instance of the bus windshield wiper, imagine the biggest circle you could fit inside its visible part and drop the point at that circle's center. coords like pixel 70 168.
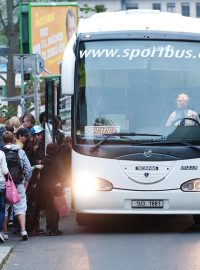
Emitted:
pixel 121 134
pixel 195 147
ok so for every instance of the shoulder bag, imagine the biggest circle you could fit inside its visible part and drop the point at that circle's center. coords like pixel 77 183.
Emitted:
pixel 12 196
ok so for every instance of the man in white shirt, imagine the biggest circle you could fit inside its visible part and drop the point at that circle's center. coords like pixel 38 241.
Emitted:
pixel 177 117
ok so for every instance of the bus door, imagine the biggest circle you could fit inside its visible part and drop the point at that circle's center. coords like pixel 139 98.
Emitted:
pixel 52 90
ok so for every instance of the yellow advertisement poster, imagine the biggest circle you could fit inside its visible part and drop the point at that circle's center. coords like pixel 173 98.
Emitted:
pixel 51 28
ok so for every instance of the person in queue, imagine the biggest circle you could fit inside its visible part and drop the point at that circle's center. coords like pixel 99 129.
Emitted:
pixel 52 181
pixel 22 135
pixel 28 120
pixel 37 133
pixel 15 123
pixel 59 133
pixel 21 182
pixel 3 177
pixel 2 130
pixel 36 153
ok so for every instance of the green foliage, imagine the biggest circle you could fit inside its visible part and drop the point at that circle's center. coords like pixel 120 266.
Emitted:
pixel 86 9
pixel 100 8
pixel 7 111
pixel 3 39
pixel 97 9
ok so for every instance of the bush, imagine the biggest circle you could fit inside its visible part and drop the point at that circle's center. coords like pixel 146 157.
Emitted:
pixel 6 112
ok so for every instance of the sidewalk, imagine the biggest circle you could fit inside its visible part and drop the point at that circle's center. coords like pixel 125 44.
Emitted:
pixel 5 251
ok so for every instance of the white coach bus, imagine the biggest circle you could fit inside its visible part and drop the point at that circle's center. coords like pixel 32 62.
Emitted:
pixel 134 78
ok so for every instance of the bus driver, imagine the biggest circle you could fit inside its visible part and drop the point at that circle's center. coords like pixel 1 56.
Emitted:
pixel 177 117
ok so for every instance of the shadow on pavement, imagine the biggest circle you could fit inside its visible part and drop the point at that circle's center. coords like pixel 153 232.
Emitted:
pixel 138 224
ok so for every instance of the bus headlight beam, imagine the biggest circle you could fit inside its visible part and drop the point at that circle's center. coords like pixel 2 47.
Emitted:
pixel 89 184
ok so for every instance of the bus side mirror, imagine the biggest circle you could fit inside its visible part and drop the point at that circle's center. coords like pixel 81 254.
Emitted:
pixel 68 67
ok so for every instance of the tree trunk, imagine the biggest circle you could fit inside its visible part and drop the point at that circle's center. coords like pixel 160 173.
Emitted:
pixel 13 49
pixel 12 33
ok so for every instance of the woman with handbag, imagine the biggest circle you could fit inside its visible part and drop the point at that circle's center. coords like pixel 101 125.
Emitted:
pixel 20 170
pixel 3 177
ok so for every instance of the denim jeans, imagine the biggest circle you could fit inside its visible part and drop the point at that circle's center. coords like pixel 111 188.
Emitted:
pixel 2 207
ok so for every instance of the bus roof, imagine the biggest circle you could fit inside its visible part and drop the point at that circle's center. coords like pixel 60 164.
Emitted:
pixel 152 20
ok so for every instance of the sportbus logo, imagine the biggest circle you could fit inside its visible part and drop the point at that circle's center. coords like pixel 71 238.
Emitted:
pixel 160 52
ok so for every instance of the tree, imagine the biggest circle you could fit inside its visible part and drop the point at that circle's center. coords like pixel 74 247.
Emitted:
pixel 12 33
pixel 86 9
pixel 97 9
pixel 9 31
pixel 100 8
pixel 10 27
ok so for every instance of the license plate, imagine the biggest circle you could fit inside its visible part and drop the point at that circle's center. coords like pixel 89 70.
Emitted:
pixel 147 203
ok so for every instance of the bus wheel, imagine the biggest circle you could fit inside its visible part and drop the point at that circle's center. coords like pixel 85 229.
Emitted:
pixel 196 219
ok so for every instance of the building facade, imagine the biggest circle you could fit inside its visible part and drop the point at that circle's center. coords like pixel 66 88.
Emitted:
pixel 185 7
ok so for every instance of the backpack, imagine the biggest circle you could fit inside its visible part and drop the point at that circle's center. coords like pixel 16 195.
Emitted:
pixel 14 165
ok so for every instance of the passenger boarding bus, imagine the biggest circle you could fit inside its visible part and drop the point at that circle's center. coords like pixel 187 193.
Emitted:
pixel 134 78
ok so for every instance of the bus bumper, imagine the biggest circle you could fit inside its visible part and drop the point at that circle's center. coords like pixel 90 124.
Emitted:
pixel 125 202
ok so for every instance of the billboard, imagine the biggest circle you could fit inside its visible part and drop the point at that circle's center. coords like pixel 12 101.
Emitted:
pixel 50 27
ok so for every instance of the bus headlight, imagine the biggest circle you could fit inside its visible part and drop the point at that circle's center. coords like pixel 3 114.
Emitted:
pixel 88 184
pixel 192 185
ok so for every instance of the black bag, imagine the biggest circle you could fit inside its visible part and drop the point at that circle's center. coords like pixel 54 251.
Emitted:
pixel 14 165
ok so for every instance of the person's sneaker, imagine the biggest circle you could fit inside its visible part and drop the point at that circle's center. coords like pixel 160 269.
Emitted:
pixel 1 238
pixel 5 236
pixel 24 235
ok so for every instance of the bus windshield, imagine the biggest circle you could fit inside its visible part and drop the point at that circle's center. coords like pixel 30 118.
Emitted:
pixel 138 86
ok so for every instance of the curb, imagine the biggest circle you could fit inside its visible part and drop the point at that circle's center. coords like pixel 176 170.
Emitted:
pixel 4 254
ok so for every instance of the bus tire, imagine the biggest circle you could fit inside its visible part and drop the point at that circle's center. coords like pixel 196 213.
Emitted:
pixel 196 219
